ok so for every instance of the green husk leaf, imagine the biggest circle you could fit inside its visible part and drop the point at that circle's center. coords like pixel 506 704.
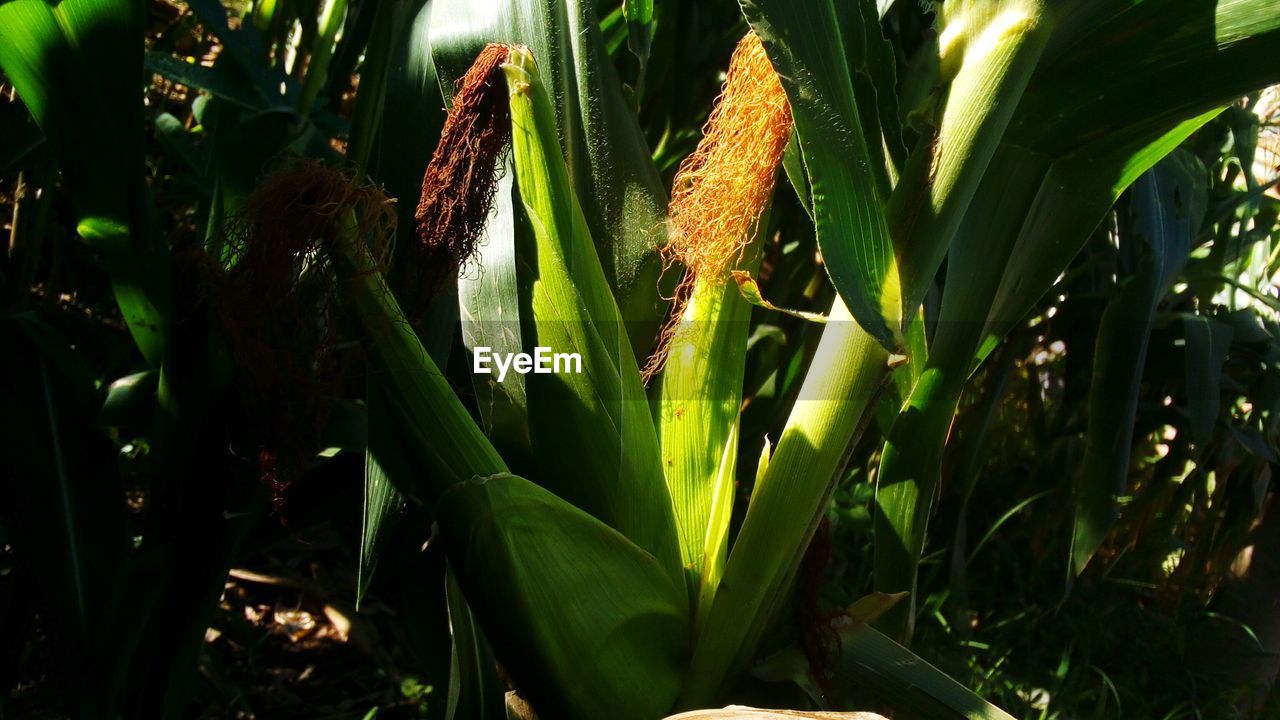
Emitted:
pixel 623 198
pixel 591 430
pixel 489 303
pixel 846 375
pixel 988 52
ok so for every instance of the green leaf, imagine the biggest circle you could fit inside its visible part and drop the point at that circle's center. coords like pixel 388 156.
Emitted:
pixel 1167 207
pixel 804 43
pixel 222 80
pixel 391 480
pixel 869 607
pixel 1075 195
pixel 749 289
pixel 441 434
pixel 871 67
pixel 489 302
pixel 410 127
pixel 1137 68
pixel 592 430
pixel 61 504
pixel 475 690
pixel 588 624
pixel 1208 342
pixel 848 371
pixel 897 677
pixel 914 445
pixel 244 46
pixel 375 72
pixel 622 196
pixel 875 671
pixel 639 15
pixel 82 59
pixel 130 399
pixel 383 502
pixel 987 54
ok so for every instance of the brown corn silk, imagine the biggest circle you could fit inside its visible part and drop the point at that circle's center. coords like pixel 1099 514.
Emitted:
pixel 277 302
pixel 721 190
pixel 459 183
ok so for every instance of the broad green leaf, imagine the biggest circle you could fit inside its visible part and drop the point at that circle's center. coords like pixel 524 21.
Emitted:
pixel 871 67
pixel 223 80
pixel 441 434
pixel 587 624
pixel 804 43
pixel 389 17
pixel 1075 195
pixel 869 607
pixel 1142 67
pixel 623 199
pixel 332 13
pixel 1167 206
pixel 1180 65
pixel 391 478
pixel 793 165
pixel 130 398
pixel 871 662
pixel 639 15
pixel 244 46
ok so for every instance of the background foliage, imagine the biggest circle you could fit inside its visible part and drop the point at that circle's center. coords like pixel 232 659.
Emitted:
pixel 1104 531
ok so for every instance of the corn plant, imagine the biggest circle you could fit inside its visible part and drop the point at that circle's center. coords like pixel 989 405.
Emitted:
pixel 599 550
